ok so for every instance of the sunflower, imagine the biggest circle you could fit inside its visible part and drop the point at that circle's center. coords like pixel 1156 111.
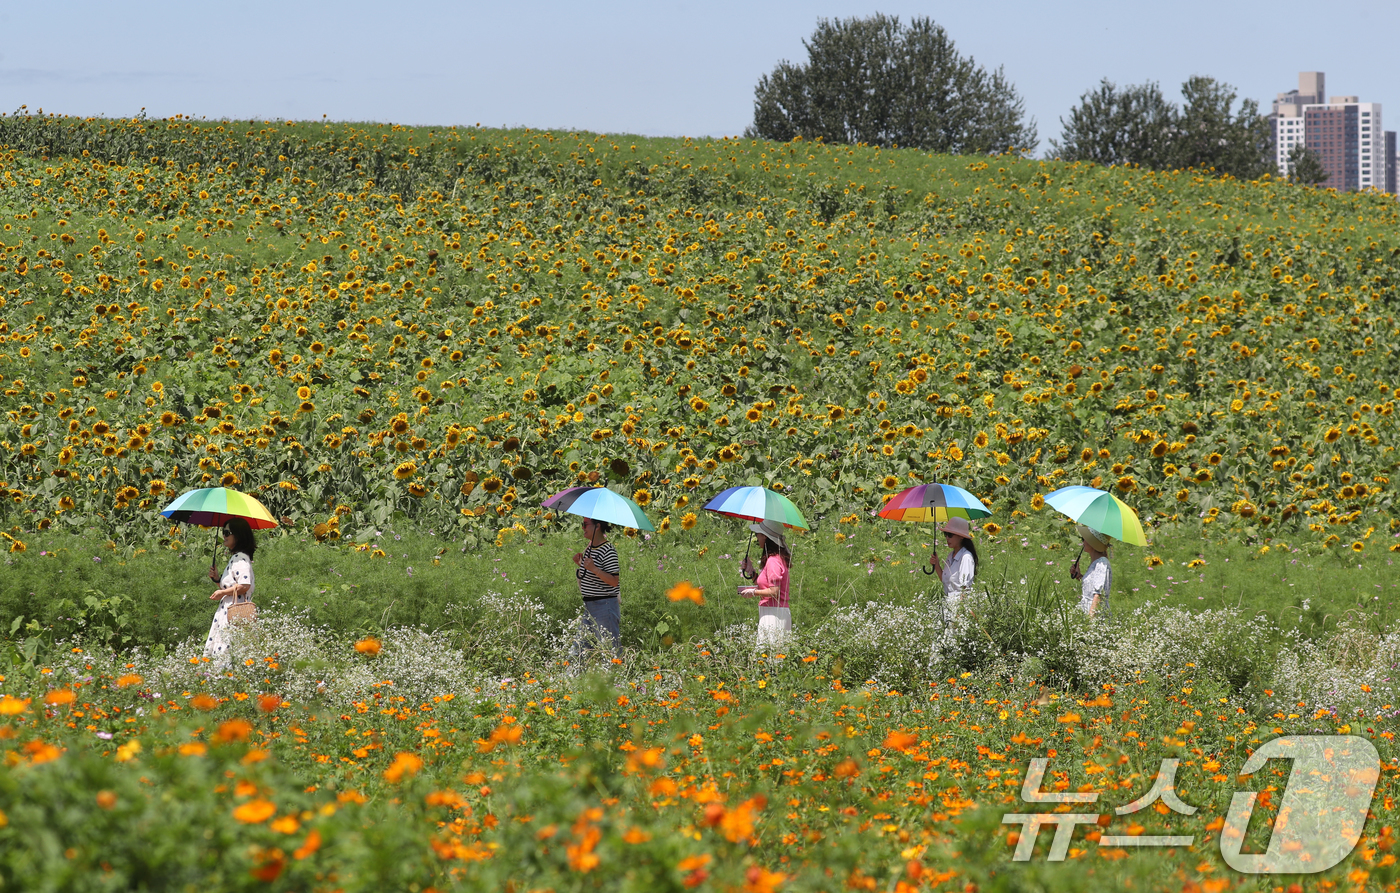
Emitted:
pixel 835 413
pixel 642 497
pixel 889 482
pixel 955 453
pixel 689 483
pixel 753 415
pixel 1037 502
pixel 405 470
pixel 709 465
pixel 687 520
pixel 491 484
pixel 156 487
pixel 303 393
pixel 991 528
pixel 980 440
pixel 229 479
pixel 416 489
pixel 521 473
pixel 1332 435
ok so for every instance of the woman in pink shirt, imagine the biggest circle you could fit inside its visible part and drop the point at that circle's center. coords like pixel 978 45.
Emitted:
pixel 771 585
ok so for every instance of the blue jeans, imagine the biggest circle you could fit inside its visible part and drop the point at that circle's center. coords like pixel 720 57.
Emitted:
pixel 601 623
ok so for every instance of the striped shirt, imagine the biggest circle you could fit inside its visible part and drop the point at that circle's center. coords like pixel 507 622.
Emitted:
pixel 604 559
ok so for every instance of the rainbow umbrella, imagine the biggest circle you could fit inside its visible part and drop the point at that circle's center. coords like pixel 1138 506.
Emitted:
pixel 214 506
pixel 757 504
pixel 934 502
pixel 600 504
pixel 1101 511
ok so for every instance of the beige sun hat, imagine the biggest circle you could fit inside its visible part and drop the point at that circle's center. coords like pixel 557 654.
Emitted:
pixel 958 526
pixel 772 530
pixel 1092 536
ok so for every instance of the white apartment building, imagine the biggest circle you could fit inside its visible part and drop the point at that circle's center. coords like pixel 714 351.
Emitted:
pixel 1348 135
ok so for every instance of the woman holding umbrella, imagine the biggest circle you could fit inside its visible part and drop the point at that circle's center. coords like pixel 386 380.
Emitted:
pixel 1098 578
pixel 1099 515
pixel 770 583
pixel 236 585
pixel 961 568
pixel 770 511
pixel 599 572
pixel 599 582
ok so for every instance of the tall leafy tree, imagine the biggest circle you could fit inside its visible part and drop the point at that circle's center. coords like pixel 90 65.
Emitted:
pixel 1138 125
pixel 872 80
pixel 1132 125
pixel 1210 134
pixel 1305 166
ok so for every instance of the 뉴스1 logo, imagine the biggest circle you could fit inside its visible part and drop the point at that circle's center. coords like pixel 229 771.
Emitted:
pixel 1319 820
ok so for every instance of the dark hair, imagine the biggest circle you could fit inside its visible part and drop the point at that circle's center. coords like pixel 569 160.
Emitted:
pixel 970 546
pixel 242 535
pixel 601 526
pixel 772 547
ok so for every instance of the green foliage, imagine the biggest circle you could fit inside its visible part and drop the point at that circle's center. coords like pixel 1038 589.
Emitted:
pixel 1305 166
pixel 1132 125
pixel 1137 125
pixel 874 81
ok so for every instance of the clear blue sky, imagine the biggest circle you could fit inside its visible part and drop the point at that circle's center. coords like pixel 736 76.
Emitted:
pixel 661 68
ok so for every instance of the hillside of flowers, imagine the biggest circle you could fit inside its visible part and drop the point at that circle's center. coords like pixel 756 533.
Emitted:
pixel 443 326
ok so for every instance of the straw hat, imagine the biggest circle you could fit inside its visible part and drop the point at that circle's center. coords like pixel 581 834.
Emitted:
pixel 958 526
pixel 1093 537
pixel 772 530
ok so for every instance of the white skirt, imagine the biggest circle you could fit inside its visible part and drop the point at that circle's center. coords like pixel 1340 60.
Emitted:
pixel 774 624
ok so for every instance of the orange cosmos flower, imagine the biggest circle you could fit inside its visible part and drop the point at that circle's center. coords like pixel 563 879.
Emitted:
pixel 685 592
pixel 234 730
pixel 368 646
pixel 312 844
pixel 900 740
pixel 404 764
pixel 255 812
pixel 59 696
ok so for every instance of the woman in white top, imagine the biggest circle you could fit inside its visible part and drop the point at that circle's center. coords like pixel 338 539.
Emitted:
pixel 961 568
pixel 1097 578
pixel 236 585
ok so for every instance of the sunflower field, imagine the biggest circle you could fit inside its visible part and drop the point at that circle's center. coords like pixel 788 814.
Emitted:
pixel 440 327
pixel 402 340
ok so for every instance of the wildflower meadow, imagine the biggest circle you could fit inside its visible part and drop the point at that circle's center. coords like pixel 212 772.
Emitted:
pixel 403 340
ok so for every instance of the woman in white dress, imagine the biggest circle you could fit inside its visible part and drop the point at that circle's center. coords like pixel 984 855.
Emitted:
pixel 236 584
pixel 961 568
pixel 1097 578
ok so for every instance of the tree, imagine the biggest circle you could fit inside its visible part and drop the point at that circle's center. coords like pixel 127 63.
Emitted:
pixel 1305 166
pixel 1112 126
pixel 1208 134
pixel 874 81
pixel 1137 125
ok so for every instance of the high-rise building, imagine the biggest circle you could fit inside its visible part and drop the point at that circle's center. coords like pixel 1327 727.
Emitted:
pixel 1345 133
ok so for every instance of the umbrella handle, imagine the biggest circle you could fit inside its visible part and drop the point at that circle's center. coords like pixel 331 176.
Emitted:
pixel 928 568
pixel 1074 568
